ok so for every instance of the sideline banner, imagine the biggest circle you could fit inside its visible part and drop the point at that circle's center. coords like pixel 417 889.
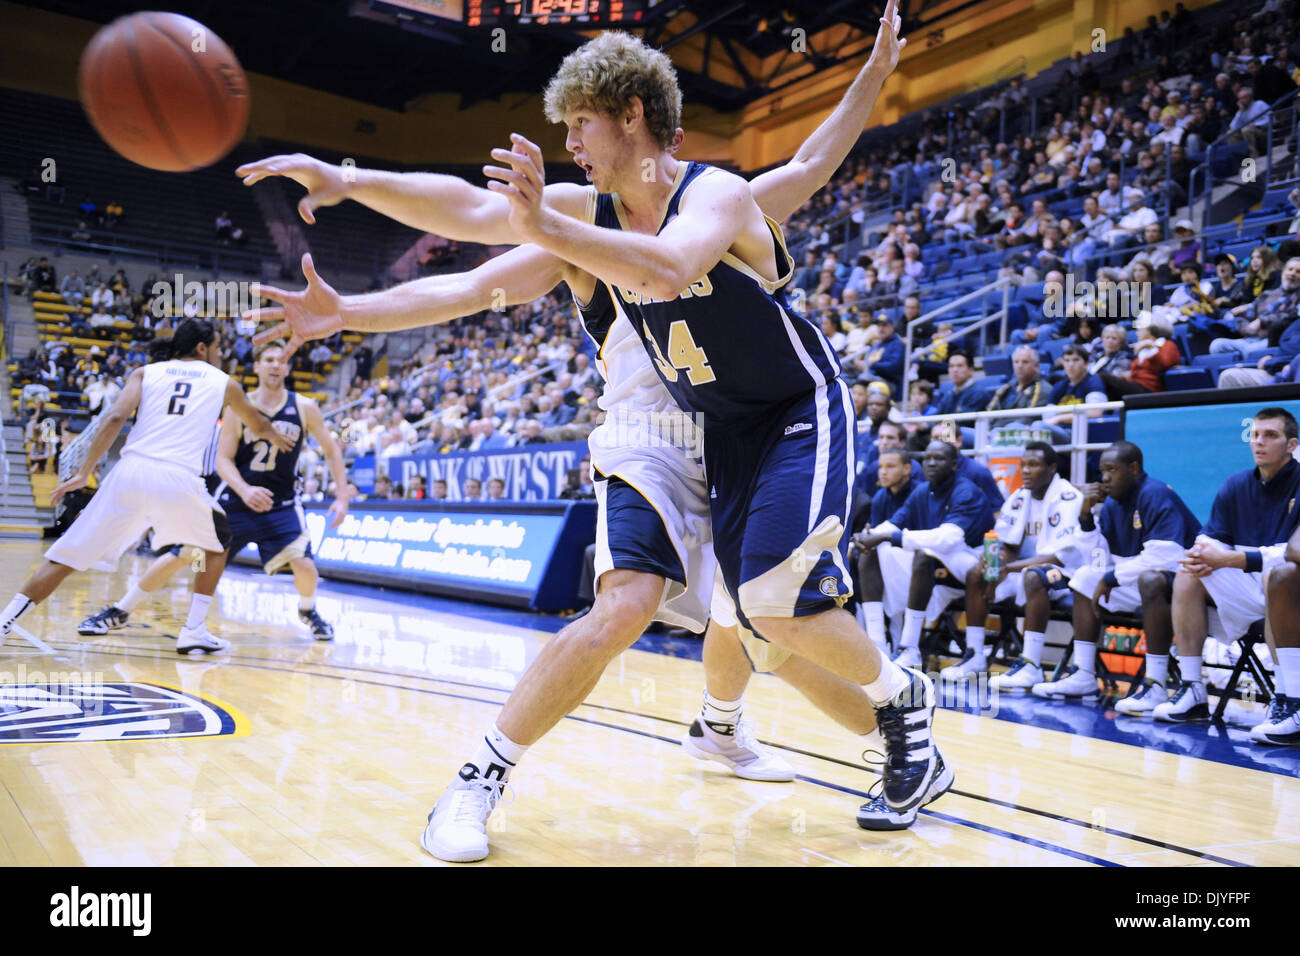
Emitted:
pixel 531 472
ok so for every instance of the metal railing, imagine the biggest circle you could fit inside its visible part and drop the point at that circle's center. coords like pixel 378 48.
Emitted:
pixel 163 251
pixel 1003 285
pixel 1285 110
pixel 1078 446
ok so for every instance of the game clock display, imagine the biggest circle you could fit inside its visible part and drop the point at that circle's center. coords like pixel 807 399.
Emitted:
pixel 556 12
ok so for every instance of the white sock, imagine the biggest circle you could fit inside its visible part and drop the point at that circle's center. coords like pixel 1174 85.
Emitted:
pixel 131 599
pixel 1279 678
pixel 1085 656
pixel 1158 668
pixel 1288 669
pixel 1190 667
pixel 875 615
pixel 975 639
pixel 913 621
pixel 306 603
pixel 15 609
pixel 495 757
pixel 1034 641
pixel 889 684
pixel 719 711
pixel 198 611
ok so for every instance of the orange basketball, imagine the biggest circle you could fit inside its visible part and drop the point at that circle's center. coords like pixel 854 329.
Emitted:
pixel 164 91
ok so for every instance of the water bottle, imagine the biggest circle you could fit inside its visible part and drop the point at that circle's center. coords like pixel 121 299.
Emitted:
pixel 992 556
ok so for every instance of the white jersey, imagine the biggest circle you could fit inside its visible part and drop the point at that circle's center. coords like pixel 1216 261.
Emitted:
pixel 639 411
pixel 180 403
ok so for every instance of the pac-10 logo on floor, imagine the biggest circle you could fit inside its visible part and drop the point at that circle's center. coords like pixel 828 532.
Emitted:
pixel 53 712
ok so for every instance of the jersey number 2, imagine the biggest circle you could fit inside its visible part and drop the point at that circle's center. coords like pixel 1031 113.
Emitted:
pixel 177 405
pixel 685 354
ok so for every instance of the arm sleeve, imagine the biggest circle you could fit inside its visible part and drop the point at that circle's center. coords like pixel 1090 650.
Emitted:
pixel 942 538
pixel 1156 555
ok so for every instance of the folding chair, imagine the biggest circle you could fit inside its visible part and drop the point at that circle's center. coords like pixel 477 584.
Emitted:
pixel 1248 659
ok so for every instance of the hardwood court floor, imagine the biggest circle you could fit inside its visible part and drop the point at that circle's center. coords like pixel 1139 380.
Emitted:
pixel 336 752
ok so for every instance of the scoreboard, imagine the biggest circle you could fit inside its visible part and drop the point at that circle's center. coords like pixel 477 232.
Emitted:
pixel 572 13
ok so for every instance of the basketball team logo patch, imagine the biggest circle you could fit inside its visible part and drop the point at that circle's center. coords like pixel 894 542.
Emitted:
pixel 1137 520
pixel 829 586
pixel 59 712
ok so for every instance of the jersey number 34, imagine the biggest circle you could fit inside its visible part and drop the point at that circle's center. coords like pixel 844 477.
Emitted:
pixel 685 355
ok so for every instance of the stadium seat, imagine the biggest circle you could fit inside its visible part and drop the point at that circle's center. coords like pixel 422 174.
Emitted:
pixel 1214 363
pixel 1184 378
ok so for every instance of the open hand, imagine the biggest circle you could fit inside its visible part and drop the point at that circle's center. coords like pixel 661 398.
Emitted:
pixel 522 183
pixel 315 312
pixel 326 184
pixel 888 46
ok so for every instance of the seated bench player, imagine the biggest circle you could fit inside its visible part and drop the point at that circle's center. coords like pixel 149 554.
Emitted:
pixel 968 467
pixel 1132 548
pixel 1281 727
pixel 888 435
pixel 1251 519
pixel 1037 531
pixel 942 523
pixel 897 478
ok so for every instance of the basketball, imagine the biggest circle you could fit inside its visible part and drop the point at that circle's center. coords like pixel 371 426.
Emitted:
pixel 164 91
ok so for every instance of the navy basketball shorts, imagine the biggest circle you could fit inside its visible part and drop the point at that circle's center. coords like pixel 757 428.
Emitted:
pixel 781 493
pixel 280 534
pixel 631 534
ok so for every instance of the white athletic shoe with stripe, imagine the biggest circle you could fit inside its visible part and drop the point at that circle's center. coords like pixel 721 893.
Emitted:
pixel 457 827
pixel 199 641
pixel 734 746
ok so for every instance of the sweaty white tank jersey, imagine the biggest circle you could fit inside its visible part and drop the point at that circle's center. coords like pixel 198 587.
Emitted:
pixel 180 403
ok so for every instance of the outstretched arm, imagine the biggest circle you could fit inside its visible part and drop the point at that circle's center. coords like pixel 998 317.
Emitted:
pixel 717 212
pixel 114 419
pixel 781 191
pixel 316 312
pixel 431 202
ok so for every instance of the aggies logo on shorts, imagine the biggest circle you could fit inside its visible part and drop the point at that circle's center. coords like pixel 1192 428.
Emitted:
pixel 1137 520
pixel 829 586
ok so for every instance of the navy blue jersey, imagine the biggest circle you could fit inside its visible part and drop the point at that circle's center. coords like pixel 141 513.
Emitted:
pixel 885 503
pixel 729 347
pixel 1150 511
pixel 958 502
pixel 262 465
pixel 598 314
pixel 1065 393
pixel 981 478
pixel 1249 513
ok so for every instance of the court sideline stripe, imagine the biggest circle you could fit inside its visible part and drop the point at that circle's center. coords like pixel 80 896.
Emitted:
pixel 996 831
pixel 1109 831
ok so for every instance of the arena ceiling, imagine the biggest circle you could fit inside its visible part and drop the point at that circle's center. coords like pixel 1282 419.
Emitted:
pixel 739 50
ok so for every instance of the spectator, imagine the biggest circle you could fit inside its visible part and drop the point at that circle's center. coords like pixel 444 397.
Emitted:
pixel 472 490
pixel 1248 123
pixel 1079 387
pixel 439 489
pixel 1267 317
pixel 319 356
pixel 496 489
pixel 44 277
pixel 885 360
pixel 73 289
pixel 1026 390
pixel 1154 354
pixel 959 394
pixel 223 227
pixel 311 490
pixel 114 213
